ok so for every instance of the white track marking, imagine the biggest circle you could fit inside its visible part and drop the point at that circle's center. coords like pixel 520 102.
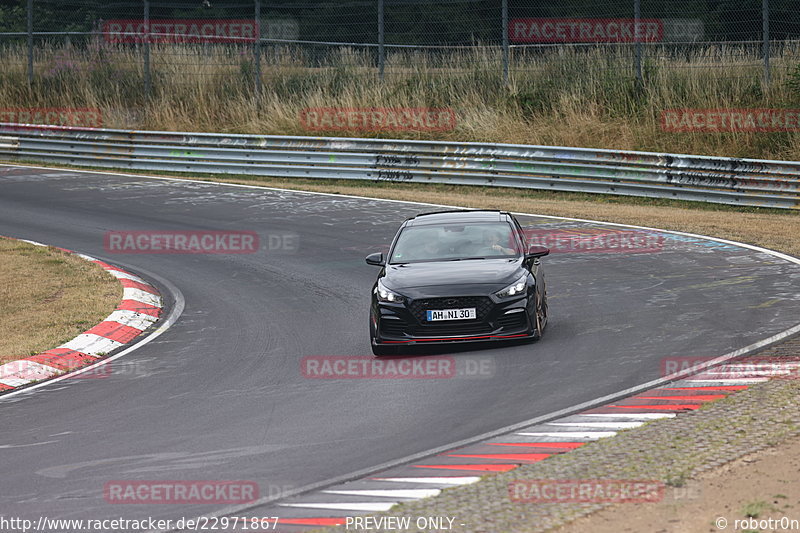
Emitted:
pixel 124 275
pixel 16 373
pixel 388 493
pixel 131 318
pixel 33 242
pixel 464 480
pixel 608 425
pixel 765 364
pixel 141 296
pixel 589 435
pixel 722 381
pixel 92 344
pixel 14 382
pixel 360 506
pixel 748 373
pixel 643 416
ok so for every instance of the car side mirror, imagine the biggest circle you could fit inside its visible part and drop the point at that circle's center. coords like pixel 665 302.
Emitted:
pixel 537 251
pixel 376 259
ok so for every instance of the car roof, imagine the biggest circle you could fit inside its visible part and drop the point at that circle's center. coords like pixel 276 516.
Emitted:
pixel 444 217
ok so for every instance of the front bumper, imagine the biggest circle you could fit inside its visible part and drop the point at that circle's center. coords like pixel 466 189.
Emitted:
pixel 405 323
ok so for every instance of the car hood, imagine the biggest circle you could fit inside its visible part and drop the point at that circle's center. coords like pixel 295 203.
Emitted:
pixel 496 272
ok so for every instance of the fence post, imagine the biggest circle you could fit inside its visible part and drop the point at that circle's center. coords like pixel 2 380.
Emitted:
pixel 381 41
pixel 147 80
pixel 257 49
pixel 30 42
pixel 505 42
pixel 765 37
pixel 637 17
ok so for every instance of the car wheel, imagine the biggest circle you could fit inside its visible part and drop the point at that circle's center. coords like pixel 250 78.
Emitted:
pixel 544 310
pixel 540 316
pixel 380 349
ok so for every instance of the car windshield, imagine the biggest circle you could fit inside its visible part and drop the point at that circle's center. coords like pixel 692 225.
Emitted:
pixel 454 242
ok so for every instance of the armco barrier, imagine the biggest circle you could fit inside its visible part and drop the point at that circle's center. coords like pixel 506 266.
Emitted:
pixel 747 182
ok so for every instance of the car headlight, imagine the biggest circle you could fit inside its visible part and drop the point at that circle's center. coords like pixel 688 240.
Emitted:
pixel 385 295
pixel 515 289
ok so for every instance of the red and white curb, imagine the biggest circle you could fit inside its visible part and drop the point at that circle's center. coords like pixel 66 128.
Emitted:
pixel 428 476
pixel 140 308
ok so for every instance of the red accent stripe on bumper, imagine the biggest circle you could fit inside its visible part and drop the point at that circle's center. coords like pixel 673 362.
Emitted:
pixel 457 339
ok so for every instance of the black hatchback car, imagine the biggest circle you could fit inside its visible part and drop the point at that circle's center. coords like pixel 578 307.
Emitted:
pixel 457 276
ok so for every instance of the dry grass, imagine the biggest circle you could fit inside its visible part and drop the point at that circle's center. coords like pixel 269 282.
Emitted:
pixel 583 97
pixel 49 297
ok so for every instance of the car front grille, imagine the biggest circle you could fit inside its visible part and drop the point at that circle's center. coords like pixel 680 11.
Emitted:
pixel 399 328
pixel 482 304
pixel 440 330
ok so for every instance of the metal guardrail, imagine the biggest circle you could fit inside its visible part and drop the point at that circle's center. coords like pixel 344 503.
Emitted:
pixel 746 182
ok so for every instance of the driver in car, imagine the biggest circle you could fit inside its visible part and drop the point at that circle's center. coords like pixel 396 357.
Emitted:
pixel 430 248
pixel 491 242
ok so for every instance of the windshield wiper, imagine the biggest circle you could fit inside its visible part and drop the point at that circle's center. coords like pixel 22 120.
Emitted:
pixel 465 258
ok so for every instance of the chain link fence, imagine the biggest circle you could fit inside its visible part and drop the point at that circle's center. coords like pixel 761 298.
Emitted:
pixel 47 39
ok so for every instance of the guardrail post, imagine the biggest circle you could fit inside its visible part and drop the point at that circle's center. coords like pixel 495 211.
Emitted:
pixel 505 42
pixel 381 43
pixel 257 49
pixel 765 37
pixel 637 56
pixel 147 81
pixel 30 42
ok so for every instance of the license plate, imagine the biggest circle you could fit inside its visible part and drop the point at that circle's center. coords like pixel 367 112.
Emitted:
pixel 451 314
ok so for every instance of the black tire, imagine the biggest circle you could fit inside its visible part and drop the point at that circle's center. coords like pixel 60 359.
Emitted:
pixel 540 316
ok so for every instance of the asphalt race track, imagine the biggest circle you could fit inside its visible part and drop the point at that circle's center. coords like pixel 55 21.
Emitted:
pixel 221 395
